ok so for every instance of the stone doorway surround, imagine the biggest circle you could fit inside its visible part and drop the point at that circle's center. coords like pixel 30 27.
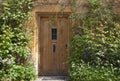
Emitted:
pixel 38 10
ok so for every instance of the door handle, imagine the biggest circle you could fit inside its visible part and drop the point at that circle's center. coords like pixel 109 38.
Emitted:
pixel 54 48
pixel 66 46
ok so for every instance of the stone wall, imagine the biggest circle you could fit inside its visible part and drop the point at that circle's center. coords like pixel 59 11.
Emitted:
pixel 52 6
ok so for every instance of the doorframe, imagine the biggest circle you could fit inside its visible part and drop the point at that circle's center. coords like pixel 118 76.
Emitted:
pixel 38 15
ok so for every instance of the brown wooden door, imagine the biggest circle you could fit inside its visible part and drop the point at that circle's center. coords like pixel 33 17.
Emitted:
pixel 53 41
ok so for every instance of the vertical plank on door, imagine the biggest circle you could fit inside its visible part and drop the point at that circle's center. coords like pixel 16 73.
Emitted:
pixel 63 38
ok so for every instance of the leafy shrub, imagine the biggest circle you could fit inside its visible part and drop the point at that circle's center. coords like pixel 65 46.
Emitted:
pixel 95 46
pixel 87 72
pixel 18 72
pixel 14 52
pixel 23 73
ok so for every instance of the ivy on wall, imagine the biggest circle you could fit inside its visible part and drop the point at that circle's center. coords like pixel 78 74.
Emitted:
pixel 14 54
pixel 95 45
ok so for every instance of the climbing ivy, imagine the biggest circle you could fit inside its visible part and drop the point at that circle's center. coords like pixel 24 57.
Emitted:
pixel 14 52
pixel 95 45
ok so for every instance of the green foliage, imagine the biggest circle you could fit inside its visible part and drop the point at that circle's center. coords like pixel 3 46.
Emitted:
pixel 96 41
pixel 18 72
pixel 13 41
pixel 87 72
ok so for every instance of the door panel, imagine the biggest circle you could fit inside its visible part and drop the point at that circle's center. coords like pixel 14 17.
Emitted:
pixel 53 41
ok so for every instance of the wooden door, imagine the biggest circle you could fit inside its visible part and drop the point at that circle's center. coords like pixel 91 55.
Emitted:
pixel 53 43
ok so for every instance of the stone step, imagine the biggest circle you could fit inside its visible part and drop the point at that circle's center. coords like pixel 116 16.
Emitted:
pixel 51 78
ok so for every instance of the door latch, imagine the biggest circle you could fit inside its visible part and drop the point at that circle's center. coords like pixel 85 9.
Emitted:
pixel 54 48
pixel 66 46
